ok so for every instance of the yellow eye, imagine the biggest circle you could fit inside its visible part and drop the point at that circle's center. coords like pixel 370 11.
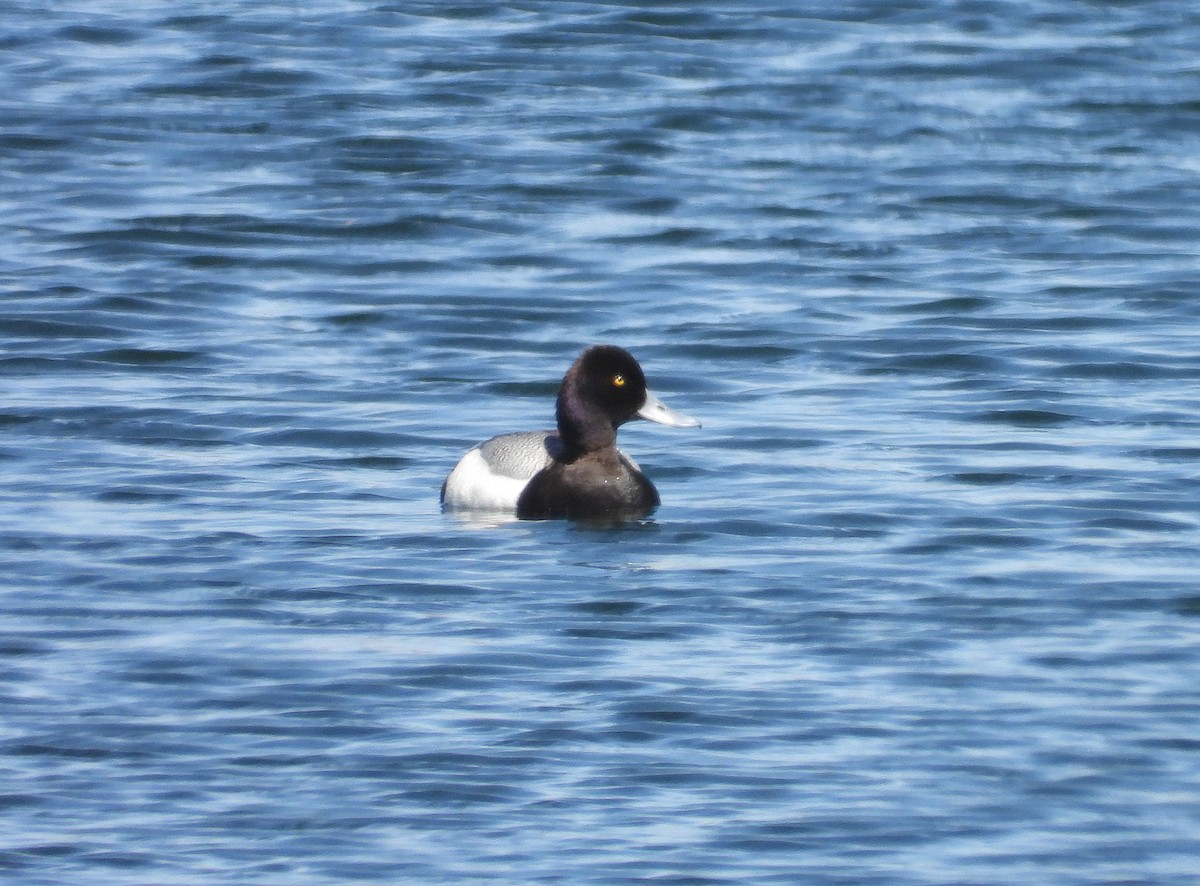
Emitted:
pixel 618 381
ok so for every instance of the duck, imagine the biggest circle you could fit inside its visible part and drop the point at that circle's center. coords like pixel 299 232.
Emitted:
pixel 574 471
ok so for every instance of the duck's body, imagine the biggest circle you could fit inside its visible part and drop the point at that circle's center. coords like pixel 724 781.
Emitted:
pixel 604 484
pixel 523 473
pixel 493 474
pixel 577 471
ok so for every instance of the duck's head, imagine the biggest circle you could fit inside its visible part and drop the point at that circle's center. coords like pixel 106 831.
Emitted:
pixel 601 391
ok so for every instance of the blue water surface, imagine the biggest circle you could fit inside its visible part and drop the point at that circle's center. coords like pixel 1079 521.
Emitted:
pixel 921 603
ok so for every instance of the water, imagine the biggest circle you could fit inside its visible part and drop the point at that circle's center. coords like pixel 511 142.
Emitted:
pixel 920 605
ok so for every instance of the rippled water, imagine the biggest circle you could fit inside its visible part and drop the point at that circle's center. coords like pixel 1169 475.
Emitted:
pixel 920 605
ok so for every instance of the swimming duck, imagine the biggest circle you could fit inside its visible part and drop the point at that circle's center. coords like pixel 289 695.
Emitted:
pixel 576 472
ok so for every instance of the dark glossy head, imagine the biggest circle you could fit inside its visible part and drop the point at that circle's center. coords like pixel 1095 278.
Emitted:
pixel 602 390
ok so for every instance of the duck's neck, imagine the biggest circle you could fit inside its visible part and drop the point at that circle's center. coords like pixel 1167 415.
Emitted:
pixel 579 434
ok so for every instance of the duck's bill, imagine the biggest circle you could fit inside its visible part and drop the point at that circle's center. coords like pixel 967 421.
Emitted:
pixel 655 410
